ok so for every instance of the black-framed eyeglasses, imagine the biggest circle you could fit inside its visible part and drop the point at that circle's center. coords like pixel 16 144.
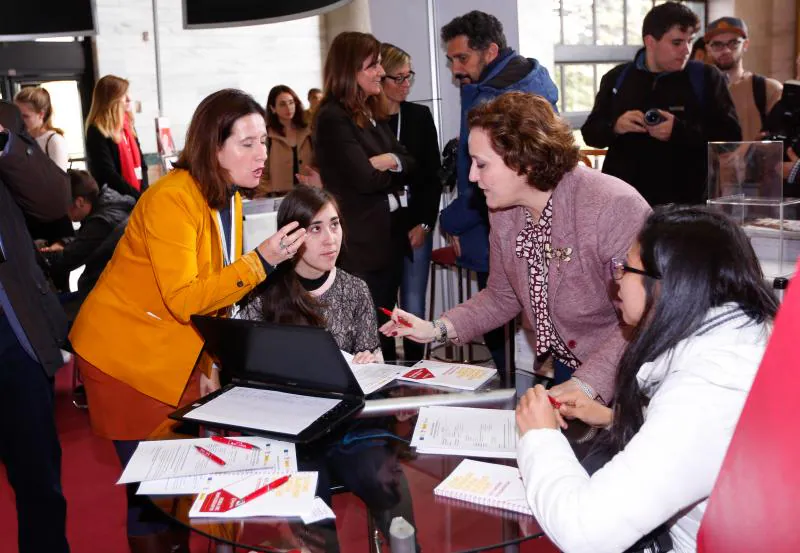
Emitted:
pixel 718 45
pixel 400 79
pixel 619 268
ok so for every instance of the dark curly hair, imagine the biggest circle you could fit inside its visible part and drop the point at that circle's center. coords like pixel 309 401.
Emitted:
pixel 664 17
pixel 530 137
pixel 481 29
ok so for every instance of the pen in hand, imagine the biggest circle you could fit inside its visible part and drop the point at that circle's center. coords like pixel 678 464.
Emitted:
pixel 401 320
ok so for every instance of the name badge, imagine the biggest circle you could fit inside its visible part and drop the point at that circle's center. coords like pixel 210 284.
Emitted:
pixel 138 172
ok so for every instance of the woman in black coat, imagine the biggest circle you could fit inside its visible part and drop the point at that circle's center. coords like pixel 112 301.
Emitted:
pixel 413 126
pixel 361 162
pixel 112 147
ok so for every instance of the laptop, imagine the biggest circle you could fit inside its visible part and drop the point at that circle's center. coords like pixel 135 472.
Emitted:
pixel 300 369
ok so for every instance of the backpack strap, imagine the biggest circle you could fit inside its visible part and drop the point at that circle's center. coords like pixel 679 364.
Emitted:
pixel 760 97
pixel 621 77
pixel 47 144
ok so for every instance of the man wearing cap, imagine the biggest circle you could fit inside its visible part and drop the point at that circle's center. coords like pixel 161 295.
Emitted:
pixel 753 95
pixel 657 113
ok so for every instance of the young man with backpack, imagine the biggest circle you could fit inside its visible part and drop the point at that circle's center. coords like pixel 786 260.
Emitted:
pixel 753 95
pixel 657 113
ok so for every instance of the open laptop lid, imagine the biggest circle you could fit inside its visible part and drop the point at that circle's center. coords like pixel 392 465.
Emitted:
pixel 301 357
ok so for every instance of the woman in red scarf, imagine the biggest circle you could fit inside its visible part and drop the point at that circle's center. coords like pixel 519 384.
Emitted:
pixel 112 148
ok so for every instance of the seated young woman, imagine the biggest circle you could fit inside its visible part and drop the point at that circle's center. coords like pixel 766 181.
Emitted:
pixel 309 289
pixel 692 289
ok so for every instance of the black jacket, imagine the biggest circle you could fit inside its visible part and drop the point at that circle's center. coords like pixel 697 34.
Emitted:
pixel 32 184
pixel 343 150
pixel 95 241
pixel 418 135
pixel 103 162
pixel 663 172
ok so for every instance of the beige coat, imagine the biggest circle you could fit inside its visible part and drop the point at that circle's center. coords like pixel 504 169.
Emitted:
pixel 278 176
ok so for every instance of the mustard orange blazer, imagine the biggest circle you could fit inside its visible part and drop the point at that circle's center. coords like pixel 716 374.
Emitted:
pixel 134 325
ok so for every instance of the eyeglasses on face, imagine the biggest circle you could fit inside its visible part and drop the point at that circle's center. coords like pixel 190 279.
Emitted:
pixel 718 46
pixel 400 79
pixel 619 268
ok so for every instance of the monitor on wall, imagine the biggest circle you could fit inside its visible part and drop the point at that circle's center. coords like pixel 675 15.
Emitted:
pixel 206 14
pixel 32 19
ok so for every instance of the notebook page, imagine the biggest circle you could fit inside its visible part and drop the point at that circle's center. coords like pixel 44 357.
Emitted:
pixel 487 484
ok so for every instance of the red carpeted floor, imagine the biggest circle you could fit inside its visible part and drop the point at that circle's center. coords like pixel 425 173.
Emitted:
pixel 96 507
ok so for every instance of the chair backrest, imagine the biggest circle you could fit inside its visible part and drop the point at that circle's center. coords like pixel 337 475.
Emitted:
pixel 754 505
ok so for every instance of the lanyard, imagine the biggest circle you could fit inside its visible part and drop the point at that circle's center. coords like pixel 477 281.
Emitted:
pixel 228 256
pixel 399 121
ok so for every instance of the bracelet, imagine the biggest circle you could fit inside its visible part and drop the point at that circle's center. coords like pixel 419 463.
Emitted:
pixel 585 388
pixel 439 325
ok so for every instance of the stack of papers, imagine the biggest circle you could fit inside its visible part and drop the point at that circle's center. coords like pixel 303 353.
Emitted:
pixel 467 432
pixel 487 484
pixel 294 498
pixel 449 375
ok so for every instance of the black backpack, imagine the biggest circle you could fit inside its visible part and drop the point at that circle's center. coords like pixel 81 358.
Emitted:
pixel 760 97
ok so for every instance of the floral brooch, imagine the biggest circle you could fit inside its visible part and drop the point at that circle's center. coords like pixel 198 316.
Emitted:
pixel 559 254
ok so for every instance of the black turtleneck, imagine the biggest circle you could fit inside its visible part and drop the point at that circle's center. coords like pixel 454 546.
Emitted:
pixel 311 284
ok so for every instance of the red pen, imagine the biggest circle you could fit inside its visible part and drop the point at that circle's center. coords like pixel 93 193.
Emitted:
pixel 206 453
pixel 234 443
pixel 554 402
pixel 401 320
pixel 264 489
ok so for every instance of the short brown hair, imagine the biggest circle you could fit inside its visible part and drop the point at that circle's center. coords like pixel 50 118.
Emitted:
pixel 211 125
pixel 345 57
pixel 530 137
pixel 83 185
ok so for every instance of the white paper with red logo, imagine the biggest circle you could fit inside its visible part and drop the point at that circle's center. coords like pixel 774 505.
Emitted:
pixel 295 498
pixel 449 375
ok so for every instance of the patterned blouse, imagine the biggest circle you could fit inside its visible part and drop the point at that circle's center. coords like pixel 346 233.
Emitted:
pixel 533 244
pixel 348 311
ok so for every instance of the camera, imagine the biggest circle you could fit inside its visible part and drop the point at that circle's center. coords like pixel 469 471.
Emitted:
pixel 653 117
pixel 784 119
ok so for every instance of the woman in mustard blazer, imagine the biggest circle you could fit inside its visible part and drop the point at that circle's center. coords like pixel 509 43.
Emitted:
pixel 181 255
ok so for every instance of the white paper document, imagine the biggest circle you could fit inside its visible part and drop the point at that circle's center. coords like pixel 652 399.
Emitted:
pixel 466 431
pixel 449 375
pixel 280 459
pixel 319 511
pixel 372 376
pixel 295 498
pixel 267 410
pixel 162 459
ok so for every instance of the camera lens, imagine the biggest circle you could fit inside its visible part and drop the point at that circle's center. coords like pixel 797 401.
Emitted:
pixel 652 117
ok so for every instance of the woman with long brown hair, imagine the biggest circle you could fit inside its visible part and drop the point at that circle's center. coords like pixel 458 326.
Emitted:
pixel 37 112
pixel 112 147
pixel 362 163
pixel 181 255
pixel 289 149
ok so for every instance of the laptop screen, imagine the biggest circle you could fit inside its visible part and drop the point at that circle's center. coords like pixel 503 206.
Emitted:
pixel 299 356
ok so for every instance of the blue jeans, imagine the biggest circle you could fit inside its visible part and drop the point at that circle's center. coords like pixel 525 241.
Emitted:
pixel 413 289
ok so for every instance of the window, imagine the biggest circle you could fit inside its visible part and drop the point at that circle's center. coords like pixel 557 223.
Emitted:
pixel 594 37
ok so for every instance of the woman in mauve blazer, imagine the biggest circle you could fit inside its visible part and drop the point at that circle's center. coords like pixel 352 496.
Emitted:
pixel 555 226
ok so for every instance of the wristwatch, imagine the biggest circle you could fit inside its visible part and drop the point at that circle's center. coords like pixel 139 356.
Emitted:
pixel 426 228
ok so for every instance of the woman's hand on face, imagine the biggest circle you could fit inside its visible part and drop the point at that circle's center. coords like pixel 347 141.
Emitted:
pixel 576 405
pixel 535 411
pixel 282 245
pixel 363 357
pixel 417 330
pixel 309 177
pixel 383 162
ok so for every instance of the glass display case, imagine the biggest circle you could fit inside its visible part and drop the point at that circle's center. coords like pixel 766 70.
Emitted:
pixel 745 181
